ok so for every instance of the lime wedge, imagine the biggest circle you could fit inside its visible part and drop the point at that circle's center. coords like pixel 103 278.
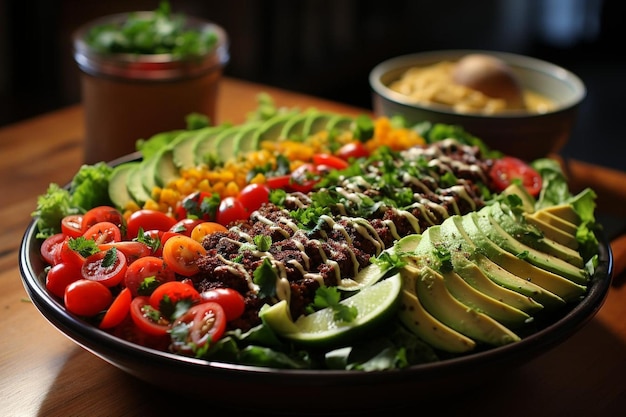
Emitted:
pixel 375 304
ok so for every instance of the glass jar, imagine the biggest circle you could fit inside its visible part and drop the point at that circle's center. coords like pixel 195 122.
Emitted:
pixel 127 97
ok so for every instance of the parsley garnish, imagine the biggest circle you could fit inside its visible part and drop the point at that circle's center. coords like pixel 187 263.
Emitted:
pixel 83 246
pixel 265 277
pixel 329 297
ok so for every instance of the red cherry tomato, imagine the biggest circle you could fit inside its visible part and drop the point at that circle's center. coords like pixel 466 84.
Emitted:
pixel 60 276
pixel 185 226
pixel 118 310
pixel 253 196
pixel 148 220
pixel 180 254
pixel 231 301
pixel 108 268
pixel 508 169
pixel 103 232
pixel 87 298
pixel 231 210
pixel 203 324
pixel 148 319
pixel 147 273
pixel 102 214
pixel 330 161
pixel 132 249
pixel 304 178
pixel 51 248
pixel 280 182
pixel 72 225
pixel 353 150
pixel 167 297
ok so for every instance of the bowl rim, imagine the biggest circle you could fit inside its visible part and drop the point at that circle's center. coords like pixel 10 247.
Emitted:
pixel 407 61
pixel 103 344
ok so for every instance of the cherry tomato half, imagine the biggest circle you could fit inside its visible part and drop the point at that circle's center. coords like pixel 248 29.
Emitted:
pixel 132 249
pixel 508 169
pixel 51 248
pixel 202 325
pixel 304 178
pixel 108 268
pixel 353 150
pixel 206 228
pixel 72 225
pixel 180 254
pixel 87 298
pixel 147 273
pixel 118 310
pixel 103 232
pixel 148 220
pixel 231 301
pixel 330 161
pixel 148 319
pixel 102 214
pixel 253 196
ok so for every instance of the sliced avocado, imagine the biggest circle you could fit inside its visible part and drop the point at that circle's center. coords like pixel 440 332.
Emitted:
pixel 340 123
pixel 225 143
pixel 437 300
pixel 560 232
pixel 528 202
pixel 182 147
pixel 424 325
pixel 134 183
pixel 294 127
pixel 148 168
pixel 473 275
pixel 556 284
pixel 467 294
pixel 315 123
pixel 471 297
pixel 498 274
pixel 529 234
pixel 564 211
pixel 272 128
pixel 165 170
pixel 205 144
pixel 555 221
pixel 244 140
pixel 501 238
pixel 118 190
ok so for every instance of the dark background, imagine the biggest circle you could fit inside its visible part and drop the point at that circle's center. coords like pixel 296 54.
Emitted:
pixel 327 48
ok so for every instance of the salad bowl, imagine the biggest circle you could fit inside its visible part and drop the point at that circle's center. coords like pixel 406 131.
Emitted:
pixel 279 390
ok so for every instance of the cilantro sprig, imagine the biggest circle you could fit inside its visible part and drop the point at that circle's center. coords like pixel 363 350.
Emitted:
pixel 330 297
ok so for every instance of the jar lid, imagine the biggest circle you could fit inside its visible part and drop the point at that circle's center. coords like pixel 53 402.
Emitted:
pixel 149 67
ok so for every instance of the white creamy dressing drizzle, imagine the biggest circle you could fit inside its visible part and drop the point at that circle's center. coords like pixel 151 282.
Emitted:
pixel 351 189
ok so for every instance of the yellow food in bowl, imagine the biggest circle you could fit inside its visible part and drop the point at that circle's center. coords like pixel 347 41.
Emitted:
pixel 434 84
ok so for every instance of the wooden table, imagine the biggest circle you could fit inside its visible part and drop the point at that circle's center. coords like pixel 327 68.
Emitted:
pixel 43 373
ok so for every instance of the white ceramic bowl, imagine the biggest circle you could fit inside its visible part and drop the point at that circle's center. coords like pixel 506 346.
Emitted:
pixel 523 134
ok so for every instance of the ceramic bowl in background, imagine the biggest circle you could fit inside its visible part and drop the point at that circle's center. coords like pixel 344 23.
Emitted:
pixel 519 133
